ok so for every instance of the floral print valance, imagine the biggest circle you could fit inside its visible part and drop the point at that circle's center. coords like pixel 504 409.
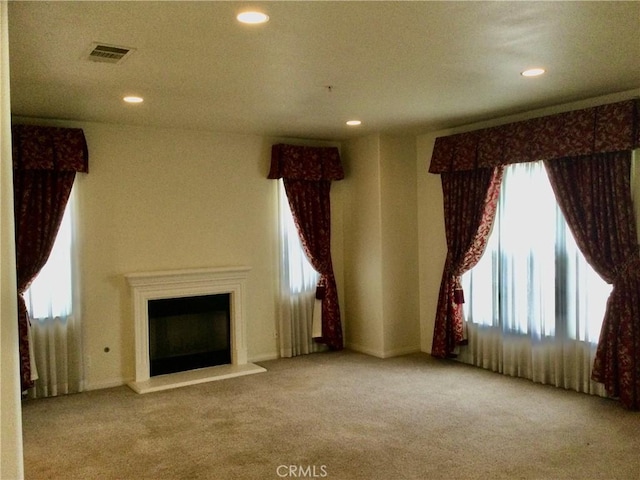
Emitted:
pixel 305 163
pixel 607 128
pixel 49 148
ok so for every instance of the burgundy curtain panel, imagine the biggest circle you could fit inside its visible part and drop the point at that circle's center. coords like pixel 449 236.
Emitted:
pixel 307 173
pixel 594 194
pixel 45 162
pixel 470 201
pixel 587 154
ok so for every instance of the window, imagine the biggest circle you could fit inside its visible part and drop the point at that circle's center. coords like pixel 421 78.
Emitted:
pixel 50 294
pixel 300 275
pixel 300 312
pixel 532 279
pixel 55 324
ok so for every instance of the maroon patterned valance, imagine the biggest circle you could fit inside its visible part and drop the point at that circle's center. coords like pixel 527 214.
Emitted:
pixel 49 148
pixel 305 163
pixel 607 128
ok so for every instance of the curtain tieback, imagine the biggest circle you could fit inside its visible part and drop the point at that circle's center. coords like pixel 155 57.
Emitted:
pixel 458 293
pixel 321 290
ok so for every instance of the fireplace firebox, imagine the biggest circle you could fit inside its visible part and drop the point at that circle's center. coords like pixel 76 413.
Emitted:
pixel 188 333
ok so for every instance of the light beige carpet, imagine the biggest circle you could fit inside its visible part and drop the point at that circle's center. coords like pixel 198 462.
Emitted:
pixel 336 416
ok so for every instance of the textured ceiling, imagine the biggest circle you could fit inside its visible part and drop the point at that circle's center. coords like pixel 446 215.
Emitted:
pixel 398 66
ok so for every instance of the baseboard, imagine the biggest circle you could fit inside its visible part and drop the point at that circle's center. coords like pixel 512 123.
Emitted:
pixel 105 384
pixel 383 353
pixel 366 350
pixel 402 351
pixel 264 358
pixel 274 356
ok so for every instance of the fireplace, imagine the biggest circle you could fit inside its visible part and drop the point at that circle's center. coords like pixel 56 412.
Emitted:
pixel 189 327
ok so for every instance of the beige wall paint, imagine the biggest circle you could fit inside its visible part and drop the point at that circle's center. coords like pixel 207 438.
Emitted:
pixel 363 245
pixel 432 248
pixel 160 200
pixel 380 231
pixel 11 463
pixel 399 235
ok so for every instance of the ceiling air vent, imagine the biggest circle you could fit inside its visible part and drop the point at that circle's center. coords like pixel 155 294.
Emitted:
pixel 101 52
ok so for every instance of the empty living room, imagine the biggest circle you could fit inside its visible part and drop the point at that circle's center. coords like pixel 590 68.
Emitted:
pixel 319 239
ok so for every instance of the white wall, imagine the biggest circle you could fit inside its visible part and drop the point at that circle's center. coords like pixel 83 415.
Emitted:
pixel 399 224
pixel 363 245
pixel 161 200
pixel 432 247
pixel 11 464
pixel 381 241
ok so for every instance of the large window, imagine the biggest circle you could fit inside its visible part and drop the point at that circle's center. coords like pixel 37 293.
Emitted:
pixel 532 279
pixel 299 274
pixel 50 294
pixel 534 306
pixel 300 312
pixel 51 300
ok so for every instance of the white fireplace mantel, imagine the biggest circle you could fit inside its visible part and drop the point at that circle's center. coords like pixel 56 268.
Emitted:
pixel 148 286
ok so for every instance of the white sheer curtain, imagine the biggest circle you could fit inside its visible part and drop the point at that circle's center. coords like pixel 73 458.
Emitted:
pixel 534 305
pixel 55 324
pixel 300 312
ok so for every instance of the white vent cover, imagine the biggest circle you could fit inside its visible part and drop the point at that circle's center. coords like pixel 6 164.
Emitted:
pixel 102 52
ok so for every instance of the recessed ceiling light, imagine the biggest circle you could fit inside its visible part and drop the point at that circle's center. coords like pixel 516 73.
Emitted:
pixel 133 99
pixel 354 123
pixel 533 72
pixel 253 18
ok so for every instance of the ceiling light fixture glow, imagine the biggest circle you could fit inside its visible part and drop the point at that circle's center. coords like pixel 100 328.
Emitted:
pixel 533 72
pixel 133 99
pixel 253 18
pixel 354 123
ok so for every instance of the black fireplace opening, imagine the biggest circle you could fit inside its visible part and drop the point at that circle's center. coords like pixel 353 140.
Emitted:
pixel 187 333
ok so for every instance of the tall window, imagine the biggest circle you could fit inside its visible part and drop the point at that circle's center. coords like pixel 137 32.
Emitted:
pixel 55 323
pixel 532 286
pixel 300 312
pixel 300 275
pixel 50 294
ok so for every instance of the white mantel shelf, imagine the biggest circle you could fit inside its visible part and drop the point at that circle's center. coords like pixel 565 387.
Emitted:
pixel 146 286
pixel 186 276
